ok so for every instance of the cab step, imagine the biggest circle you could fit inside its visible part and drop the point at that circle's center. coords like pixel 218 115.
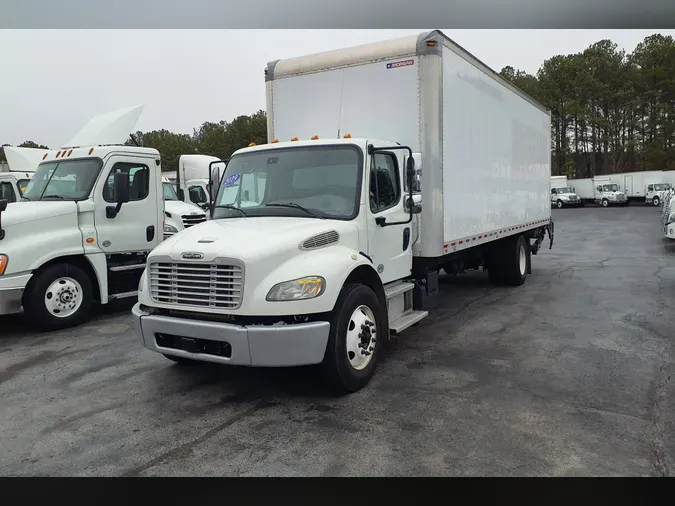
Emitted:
pixel 397 288
pixel 407 319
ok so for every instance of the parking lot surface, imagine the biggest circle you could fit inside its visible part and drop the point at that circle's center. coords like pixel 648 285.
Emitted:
pixel 570 374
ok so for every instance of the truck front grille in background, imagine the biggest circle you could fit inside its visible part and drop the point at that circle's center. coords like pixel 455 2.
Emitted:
pixel 192 219
pixel 197 285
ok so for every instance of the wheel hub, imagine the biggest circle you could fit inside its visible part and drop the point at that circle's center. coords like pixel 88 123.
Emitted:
pixel 361 337
pixel 63 297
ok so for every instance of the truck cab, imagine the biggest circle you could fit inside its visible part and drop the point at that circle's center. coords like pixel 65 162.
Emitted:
pixel 655 193
pixel 608 193
pixel 89 216
pixel 13 184
pixel 178 215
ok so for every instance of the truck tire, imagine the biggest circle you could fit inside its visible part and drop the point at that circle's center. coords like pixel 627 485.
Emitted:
pixel 58 297
pixel 605 203
pixel 656 201
pixel 357 327
pixel 559 204
pixel 515 255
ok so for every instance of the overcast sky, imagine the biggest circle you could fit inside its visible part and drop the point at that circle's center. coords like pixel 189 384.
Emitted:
pixel 53 81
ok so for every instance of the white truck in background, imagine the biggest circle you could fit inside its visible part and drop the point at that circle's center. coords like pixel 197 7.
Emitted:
pixel 21 163
pixel 645 187
pixel 178 215
pixel 599 190
pixel 563 195
pixel 192 178
pixel 415 157
pixel 90 215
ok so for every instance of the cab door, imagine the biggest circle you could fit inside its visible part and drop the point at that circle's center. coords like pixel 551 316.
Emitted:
pixel 389 237
pixel 136 227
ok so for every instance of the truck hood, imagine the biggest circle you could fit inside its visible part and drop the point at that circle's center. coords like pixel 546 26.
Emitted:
pixel 180 207
pixel 24 212
pixel 568 195
pixel 251 239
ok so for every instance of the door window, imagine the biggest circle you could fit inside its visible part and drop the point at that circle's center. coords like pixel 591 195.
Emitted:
pixel 7 192
pixel 197 194
pixel 385 184
pixel 139 181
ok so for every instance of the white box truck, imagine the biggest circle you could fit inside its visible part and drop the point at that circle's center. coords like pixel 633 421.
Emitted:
pixel 645 187
pixel 599 190
pixel 563 195
pixel 386 163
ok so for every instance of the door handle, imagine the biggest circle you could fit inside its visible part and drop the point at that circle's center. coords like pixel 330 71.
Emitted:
pixel 406 238
pixel 150 233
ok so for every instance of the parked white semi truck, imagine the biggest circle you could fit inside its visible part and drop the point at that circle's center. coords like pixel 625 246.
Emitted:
pixel 91 214
pixel 563 195
pixel 415 157
pixel 178 215
pixel 21 163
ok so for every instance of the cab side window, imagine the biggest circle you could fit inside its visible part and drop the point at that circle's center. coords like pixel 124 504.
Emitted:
pixel 7 192
pixel 197 194
pixel 385 183
pixel 599 188
pixel 139 181
pixel 650 188
pixel 553 191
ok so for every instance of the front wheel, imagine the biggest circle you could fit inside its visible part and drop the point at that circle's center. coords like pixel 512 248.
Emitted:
pixel 559 204
pixel 656 201
pixel 605 203
pixel 58 297
pixel 355 340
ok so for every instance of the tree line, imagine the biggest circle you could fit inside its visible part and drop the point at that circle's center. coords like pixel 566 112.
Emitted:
pixel 611 112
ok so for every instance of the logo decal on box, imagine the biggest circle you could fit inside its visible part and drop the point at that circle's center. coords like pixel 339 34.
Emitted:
pixel 403 63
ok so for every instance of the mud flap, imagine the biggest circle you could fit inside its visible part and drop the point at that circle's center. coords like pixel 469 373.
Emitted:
pixel 550 228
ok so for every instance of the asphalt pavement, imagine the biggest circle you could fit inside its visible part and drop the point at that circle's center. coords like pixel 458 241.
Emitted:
pixel 568 375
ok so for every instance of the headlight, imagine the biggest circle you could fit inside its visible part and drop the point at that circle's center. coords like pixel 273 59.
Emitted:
pixel 671 219
pixel 3 264
pixel 297 289
pixel 170 229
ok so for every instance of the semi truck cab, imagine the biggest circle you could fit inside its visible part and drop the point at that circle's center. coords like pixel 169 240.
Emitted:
pixel 88 219
pixel 565 196
pixel 608 193
pixel 178 215
pixel 655 193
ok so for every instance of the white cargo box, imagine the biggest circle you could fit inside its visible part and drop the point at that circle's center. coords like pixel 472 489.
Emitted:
pixel 484 145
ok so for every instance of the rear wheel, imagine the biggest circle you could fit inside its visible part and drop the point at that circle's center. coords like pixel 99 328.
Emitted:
pixel 58 297
pixel 508 262
pixel 355 340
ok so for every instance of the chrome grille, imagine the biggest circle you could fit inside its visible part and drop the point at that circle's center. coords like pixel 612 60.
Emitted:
pixel 196 284
pixel 321 240
pixel 192 219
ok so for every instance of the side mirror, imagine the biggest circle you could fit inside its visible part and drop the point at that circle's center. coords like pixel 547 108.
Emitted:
pixel 410 171
pixel 412 207
pixel 121 185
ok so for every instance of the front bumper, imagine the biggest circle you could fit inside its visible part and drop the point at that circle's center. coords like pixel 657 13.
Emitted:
pixel 10 300
pixel 257 346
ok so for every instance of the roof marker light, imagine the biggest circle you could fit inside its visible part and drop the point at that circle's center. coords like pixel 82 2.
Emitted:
pixel 91 150
pixel 315 137
pixel 294 138
pixel 348 136
pixel 44 157
pixel 70 152
pixel 251 145
pixel 275 141
pixel 57 154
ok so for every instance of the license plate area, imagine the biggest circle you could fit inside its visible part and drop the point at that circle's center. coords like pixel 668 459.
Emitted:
pixel 194 345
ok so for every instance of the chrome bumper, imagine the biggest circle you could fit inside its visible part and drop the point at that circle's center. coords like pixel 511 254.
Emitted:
pixel 257 346
pixel 10 300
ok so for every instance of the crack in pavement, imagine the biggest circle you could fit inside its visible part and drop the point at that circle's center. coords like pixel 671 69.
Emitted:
pixel 185 447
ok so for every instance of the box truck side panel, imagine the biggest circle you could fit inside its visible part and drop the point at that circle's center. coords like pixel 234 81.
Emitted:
pixel 496 154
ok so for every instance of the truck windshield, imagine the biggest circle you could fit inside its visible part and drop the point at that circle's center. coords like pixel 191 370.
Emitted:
pixel 661 187
pixel 63 180
pixel 565 189
pixel 610 188
pixel 322 181
pixel 169 192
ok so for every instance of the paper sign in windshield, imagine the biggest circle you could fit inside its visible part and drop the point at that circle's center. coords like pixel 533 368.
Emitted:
pixel 231 179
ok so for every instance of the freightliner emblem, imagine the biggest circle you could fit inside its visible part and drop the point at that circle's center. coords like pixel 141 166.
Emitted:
pixel 192 256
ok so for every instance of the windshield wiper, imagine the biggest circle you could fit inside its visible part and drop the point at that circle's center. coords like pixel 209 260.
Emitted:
pixel 52 197
pixel 229 206
pixel 296 206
